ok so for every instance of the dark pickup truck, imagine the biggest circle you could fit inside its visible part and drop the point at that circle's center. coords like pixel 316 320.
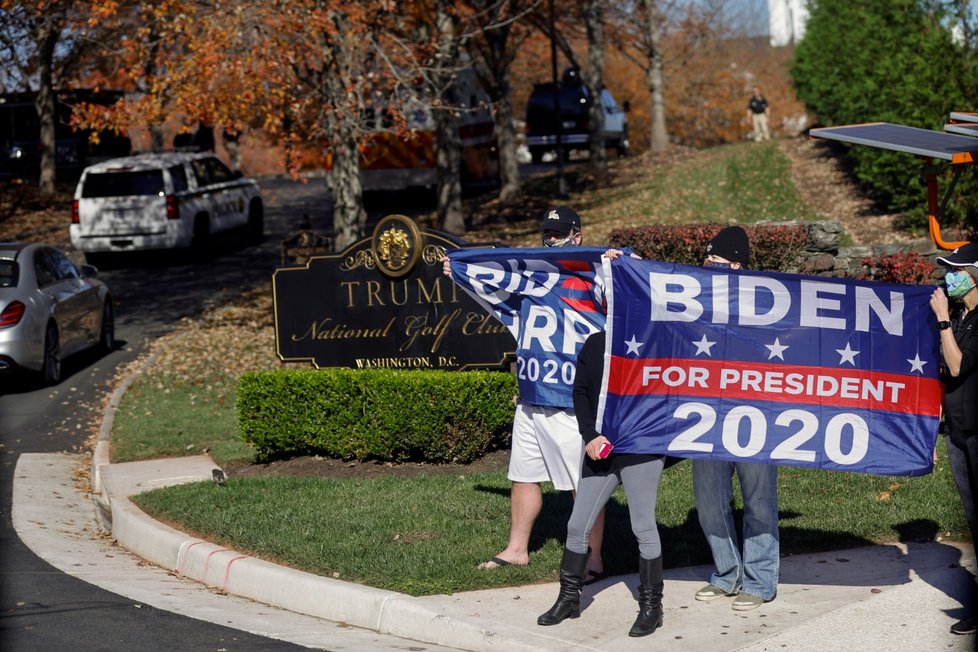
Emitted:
pixel 568 116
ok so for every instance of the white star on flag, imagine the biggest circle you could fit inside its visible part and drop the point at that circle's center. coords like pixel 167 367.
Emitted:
pixel 703 346
pixel 777 349
pixel 633 345
pixel 847 355
pixel 916 364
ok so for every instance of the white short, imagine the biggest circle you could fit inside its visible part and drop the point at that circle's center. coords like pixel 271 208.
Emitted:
pixel 546 445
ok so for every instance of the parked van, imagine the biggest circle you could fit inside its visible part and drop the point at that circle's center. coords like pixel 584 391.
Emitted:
pixel 567 114
pixel 162 201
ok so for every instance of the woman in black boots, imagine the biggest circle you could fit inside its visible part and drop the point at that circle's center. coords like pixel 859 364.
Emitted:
pixel 639 474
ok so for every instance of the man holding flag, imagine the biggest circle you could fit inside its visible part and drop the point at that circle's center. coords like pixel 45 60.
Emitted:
pixel 749 573
pixel 550 311
pixel 742 371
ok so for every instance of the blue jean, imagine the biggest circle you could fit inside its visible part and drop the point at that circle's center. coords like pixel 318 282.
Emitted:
pixel 756 570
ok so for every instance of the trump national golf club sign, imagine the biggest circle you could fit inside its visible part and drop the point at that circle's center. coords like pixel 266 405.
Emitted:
pixel 385 303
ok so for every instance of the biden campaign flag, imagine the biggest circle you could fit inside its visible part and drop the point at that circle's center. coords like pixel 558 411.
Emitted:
pixel 774 368
pixel 549 298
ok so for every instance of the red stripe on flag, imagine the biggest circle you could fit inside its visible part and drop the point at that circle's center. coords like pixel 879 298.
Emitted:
pixel 576 265
pixel 756 381
pixel 577 283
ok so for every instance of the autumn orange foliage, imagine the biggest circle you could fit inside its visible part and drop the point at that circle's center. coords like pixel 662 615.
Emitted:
pixel 707 86
pixel 255 65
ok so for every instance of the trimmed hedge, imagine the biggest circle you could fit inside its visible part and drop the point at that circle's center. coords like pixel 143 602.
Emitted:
pixel 773 247
pixel 379 414
pixel 901 267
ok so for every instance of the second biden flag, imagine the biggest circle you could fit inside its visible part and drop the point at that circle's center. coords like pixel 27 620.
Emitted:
pixel 771 368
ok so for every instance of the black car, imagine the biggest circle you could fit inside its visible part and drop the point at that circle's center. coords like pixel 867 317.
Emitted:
pixel 568 116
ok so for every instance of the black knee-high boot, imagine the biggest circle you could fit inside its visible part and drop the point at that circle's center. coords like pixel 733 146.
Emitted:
pixel 649 597
pixel 573 566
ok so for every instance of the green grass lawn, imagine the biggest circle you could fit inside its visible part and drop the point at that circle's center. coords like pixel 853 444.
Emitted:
pixel 166 415
pixel 744 182
pixel 426 535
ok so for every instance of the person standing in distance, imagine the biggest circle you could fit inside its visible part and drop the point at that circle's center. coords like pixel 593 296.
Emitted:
pixel 748 572
pixel 959 349
pixel 757 114
pixel 546 444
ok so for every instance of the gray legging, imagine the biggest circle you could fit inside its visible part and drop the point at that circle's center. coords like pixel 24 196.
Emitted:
pixel 641 482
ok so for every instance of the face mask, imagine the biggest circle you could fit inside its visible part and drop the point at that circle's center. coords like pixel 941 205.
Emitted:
pixel 563 242
pixel 958 284
pixel 717 265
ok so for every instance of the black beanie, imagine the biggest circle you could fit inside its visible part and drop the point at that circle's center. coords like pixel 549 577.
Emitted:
pixel 730 243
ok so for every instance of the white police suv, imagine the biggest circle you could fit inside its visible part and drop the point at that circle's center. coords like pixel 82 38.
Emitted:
pixel 162 201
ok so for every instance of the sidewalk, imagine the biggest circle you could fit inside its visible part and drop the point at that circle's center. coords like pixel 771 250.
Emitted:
pixel 900 597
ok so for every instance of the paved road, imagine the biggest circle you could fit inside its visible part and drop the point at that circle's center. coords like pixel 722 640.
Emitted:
pixel 41 607
pixel 44 608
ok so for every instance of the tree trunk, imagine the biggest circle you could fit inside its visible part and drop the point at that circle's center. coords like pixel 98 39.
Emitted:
pixel 349 216
pixel 496 62
pixel 594 20
pixel 448 148
pixel 156 141
pixel 509 167
pixel 151 71
pixel 46 105
pixel 654 77
pixel 449 165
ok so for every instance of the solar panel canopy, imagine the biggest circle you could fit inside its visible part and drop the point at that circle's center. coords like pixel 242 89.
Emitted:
pixel 957 149
pixel 962 128
pixel 963 116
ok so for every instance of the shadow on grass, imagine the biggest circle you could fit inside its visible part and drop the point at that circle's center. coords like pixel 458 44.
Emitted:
pixel 684 545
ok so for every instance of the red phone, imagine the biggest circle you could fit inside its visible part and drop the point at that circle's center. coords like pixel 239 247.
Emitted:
pixel 605 450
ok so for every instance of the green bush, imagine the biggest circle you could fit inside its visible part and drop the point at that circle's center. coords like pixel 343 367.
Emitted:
pixel 893 61
pixel 434 416
pixel 774 247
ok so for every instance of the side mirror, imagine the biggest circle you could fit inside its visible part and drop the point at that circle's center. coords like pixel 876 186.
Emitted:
pixel 626 106
pixel 237 174
pixel 89 271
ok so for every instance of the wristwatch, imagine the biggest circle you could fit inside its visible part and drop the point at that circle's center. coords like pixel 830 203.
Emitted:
pixel 943 325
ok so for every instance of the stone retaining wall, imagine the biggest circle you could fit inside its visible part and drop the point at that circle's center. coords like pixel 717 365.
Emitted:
pixel 825 256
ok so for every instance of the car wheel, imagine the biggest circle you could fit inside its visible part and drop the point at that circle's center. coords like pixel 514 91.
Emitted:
pixel 255 229
pixel 622 148
pixel 200 245
pixel 99 260
pixel 106 339
pixel 51 371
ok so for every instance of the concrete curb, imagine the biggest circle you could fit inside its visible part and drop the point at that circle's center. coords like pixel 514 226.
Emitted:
pixel 379 610
pixel 100 456
pixel 385 612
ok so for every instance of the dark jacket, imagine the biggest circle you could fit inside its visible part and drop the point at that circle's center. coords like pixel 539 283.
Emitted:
pixel 587 390
pixel 961 391
pixel 757 104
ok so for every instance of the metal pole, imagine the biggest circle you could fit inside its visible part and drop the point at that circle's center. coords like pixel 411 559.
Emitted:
pixel 561 182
